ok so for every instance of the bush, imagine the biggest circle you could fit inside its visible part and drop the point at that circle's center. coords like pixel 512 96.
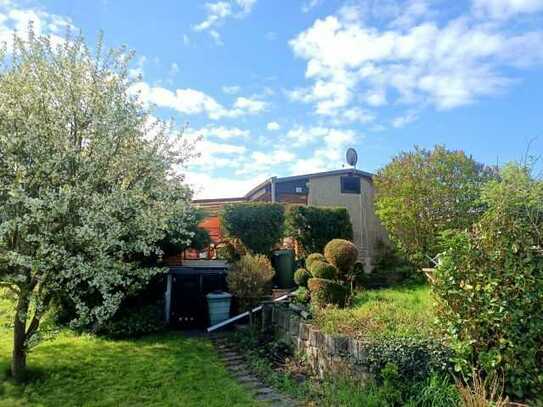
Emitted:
pixel 249 279
pixel 258 225
pixel 301 295
pixel 231 250
pixel 321 269
pixel 489 285
pixel 325 292
pixel 134 322
pixel 342 254
pixel 301 276
pixel 311 258
pixel 422 193
pixel 313 227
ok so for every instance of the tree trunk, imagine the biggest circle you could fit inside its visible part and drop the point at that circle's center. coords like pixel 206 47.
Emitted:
pixel 18 361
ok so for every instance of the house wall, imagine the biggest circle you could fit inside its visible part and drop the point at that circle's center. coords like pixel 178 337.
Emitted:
pixel 367 230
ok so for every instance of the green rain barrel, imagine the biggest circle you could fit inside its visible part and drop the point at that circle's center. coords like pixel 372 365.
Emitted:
pixel 283 261
pixel 219 307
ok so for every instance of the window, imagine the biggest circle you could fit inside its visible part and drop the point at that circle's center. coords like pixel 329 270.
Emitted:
pixel 350 185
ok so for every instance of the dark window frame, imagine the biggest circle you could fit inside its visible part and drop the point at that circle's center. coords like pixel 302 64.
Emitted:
pixel 350 189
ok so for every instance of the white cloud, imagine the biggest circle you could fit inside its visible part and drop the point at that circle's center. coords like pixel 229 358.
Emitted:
pixel 191 101
pixel 224 133
pixel 308 5
pixel 231 90
pixel 273 126
pixel 418 63
pixel 207 186
pixel 14 17
pixel 219 11
pixel 404 120
pixel 503 9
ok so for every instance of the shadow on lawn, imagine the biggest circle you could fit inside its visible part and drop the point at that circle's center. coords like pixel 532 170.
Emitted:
pixel 160 370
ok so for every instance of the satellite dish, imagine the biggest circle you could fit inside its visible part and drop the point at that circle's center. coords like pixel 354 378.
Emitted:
pixel 351 156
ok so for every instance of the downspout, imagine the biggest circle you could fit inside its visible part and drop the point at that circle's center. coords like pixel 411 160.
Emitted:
pixel 272 184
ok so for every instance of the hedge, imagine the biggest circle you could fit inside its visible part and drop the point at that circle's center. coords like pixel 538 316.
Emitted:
pixel 258 225
pixel 313 226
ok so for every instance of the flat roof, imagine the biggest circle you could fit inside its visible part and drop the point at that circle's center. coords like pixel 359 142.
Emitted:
pixel 278 180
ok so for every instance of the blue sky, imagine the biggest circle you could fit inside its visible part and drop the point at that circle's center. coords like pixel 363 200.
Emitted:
pixel 284 87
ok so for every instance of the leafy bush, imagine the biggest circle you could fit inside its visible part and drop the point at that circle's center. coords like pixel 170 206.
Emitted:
pixel 231 250
pixel 249 279
pixel 342 254
pixel 313 257
pixel 301 295
pixel 325 292
pixel 301 276
pixel 422 193
pixel 313 227
pixel 258 225
pixel 177 239
pixel 415 358
pixel 135 322
pixel 321 269
pixel 490 285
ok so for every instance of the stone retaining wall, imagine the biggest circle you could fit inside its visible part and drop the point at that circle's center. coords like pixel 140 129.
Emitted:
pixel 325 354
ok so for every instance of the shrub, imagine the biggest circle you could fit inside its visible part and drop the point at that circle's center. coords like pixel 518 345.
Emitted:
pixel 301 295
pixel 258 225
pixel 301 276
pixel 422 193
pixel 133 323
pixel 249 279
pixel 324 292
pixel 342 254
pixel 231 250
pixel 321 269
pixel 489 285
pixel 313 227
pixel 311 258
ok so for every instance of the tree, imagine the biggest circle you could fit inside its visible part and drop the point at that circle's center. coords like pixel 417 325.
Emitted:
pixel 422 193
pixel 489 285
pixel 87 184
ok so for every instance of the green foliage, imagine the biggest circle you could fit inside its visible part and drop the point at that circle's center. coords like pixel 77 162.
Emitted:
pixel 178 239
pixel 342 254
pixel 436 391
pixel 301 276
pixel 327 292
pixel 258 225
pixel 231 250
pixel 313 227
pixel 321 269
pixel 249 279
pixel 313 257
pixel 390 268
pixel 134 323
pixel 302 295
pixel 88 182
pixel 490 285
pixel 422 193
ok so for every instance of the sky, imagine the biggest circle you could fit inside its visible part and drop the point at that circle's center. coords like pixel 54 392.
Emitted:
pixel 284 87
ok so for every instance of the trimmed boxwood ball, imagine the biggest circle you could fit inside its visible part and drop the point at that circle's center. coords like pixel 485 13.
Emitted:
pixel 341 253
pixel 313 258
pixel 301 295
pixel 325 292
pixel 321 269
pixel 301 276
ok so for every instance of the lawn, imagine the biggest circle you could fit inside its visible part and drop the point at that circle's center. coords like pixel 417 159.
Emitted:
pixel 163 370
pixel 383 313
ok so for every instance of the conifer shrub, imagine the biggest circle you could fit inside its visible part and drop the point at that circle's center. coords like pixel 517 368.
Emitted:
pixel 342 254
pixel 327 292
pixel 301 276
pixel 321 269
pixel 312 258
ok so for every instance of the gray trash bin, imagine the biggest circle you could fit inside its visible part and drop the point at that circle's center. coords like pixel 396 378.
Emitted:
pixel 219 307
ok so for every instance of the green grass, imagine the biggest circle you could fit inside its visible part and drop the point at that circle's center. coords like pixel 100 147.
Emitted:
pixel 163 370
pixel 383 313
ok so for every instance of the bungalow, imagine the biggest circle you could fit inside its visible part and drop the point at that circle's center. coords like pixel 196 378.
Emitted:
pixel 349 188
pixel 194 274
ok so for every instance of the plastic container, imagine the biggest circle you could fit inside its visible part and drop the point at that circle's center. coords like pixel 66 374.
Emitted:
pixel 219 307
